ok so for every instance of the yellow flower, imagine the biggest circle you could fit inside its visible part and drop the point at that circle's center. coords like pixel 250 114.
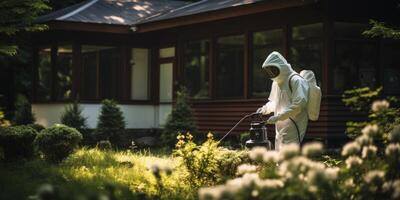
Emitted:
pixel 189 136
pixel 210 136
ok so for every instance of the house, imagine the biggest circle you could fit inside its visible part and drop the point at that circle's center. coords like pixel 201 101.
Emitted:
pixel 139 51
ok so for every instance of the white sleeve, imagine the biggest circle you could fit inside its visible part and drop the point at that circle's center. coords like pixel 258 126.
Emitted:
pixel 299 98
pixel 269 107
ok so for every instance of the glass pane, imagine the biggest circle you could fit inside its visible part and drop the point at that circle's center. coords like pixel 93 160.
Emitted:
pixel 230 53
pixel 305 32
pixel 349 30
pixel 140 61
pixel 167 52
pixel 264 43
pixel 166 77
pixel 44 75
pixel 196 66
pixel 99 78
pixel 64 72
pixel 109 62
pixel 391 65
pixel 354 65
pixel 306 49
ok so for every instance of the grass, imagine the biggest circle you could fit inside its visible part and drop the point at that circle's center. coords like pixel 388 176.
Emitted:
pixel 92 171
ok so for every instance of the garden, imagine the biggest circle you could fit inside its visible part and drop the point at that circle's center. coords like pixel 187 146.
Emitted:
pixel 69 161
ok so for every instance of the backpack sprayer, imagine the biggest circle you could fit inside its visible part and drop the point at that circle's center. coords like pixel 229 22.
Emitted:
pixel 258 131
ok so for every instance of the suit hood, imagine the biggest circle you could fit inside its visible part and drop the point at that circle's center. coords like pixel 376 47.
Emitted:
pixel 277 60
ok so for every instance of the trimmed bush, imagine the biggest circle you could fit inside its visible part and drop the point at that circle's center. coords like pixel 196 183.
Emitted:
pixel 111 124
pixel 180 120
pixel 57 142
pixel 17 142
pixel 23 112
pixel 37 127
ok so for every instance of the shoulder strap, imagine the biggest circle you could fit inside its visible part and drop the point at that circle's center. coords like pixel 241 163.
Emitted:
pixel 290 81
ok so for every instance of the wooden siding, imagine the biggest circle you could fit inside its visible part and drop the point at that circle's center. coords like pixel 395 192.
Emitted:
pixel 220 116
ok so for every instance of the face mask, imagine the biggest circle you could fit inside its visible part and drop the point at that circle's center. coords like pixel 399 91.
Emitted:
pixel 272 71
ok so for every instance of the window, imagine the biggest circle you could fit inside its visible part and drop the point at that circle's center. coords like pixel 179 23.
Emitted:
pixel 264 43
pixel 44 75
pixel 229 66
pixel 391 62
pixel 354 66
pixel 168 52
pixel 196 68
pixel 140 62
pixel 349 30
pixel 64 72
pixel 99 76
pixel 306 49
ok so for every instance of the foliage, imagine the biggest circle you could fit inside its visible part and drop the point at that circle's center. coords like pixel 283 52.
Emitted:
pixel 3 121
pixel 180 120
pixel 23 112
pixel 88 173
pixel 369 170
pixel 385 114
pixel 111 124
pixel 104 145
pixel 206 163
pixel 57 142
pixel 37 127
pixel 17 142
pixel 18 16
pixel 72 117
pixel 379 29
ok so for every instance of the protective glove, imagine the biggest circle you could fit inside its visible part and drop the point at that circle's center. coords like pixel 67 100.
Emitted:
pixel 272 119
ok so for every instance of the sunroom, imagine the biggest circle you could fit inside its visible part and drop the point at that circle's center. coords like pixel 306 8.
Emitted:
pixel 139 52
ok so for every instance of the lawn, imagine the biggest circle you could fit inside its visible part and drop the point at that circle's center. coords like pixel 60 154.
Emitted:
pixel 88 171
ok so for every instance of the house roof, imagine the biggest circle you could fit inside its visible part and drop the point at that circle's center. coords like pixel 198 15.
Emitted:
pixel 116 12
pixel 197 8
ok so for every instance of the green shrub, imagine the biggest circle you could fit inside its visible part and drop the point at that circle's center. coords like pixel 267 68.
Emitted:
pixel 104 145
pixel 23 112
pixel 111 124
pixel 57 142
pixel 72 117
pixel 3 121
pixel 207 164
pixel 37 127
pixel 17 142
pixel 180 120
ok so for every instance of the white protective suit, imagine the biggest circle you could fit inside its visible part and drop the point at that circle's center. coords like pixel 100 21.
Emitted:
pixel 286 104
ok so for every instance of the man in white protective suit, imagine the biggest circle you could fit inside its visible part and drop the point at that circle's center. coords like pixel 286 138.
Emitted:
pixel 287 101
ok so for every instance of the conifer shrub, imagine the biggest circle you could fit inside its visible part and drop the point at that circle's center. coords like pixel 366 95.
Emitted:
pixel 23 112
pixel 17 142
pixel 57 142
pixel 73 117
pixel 37 127
pixel 111 124
pixel 180 120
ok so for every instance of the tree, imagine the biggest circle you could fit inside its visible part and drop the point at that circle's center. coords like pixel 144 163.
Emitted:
pixel 180 120
pixel 111 124
pixel 73 117
pixel 379 29
pixel 23 112
pixel 17 16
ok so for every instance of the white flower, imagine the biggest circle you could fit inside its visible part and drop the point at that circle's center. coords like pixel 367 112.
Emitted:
pixel 375 176
pixel 254 193
pixel 392 149
pixel 351 148
pixel 271 156
pixel 211 193
pixel 312 149
pixel 353 161
pixel 349 183
pixel 257 153
pixel 364 140
pixel 332 173
pixel 380 105
pixel 394 135
pixel 289 151
pixel 369 151
pixel 370 130
pixel 245 181
pixel 270 184
pixel 396 189
pixel 246 168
